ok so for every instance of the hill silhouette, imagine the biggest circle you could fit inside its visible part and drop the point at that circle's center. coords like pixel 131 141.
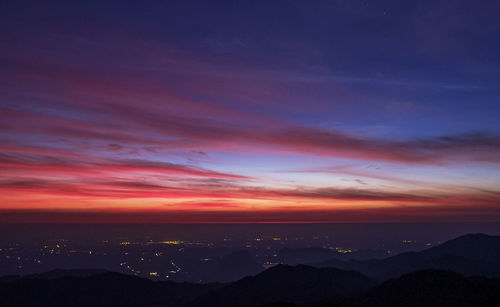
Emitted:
pixel 432 288
pixel 280 286
pixel 293 256
pixel 285 285
pixel 473 254
pixel 293 284
pixel 96 289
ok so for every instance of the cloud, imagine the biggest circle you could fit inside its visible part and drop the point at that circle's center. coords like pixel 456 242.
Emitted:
pixel 127 112
pixel 60 165
pixel 237 194
pixel 196 133
pixel 115 147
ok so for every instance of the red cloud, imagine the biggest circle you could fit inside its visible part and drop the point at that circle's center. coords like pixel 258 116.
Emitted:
pixel 198 133
pixel 58 165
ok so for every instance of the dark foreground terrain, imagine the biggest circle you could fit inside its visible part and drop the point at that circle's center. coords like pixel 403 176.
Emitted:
pixel 428 279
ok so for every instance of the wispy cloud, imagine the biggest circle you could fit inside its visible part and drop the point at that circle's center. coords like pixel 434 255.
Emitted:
pixel 197 127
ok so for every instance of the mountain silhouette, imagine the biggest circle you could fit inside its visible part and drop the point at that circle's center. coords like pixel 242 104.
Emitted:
pixel 432 288
pixel 96 289
pixel 234 266
pixel 473 254
pixel 225 268
pixel 292 284
pixel 406 283
pixel 278 285
pixel 294 256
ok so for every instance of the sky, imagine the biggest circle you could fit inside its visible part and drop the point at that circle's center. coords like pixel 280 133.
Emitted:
pixel 249 111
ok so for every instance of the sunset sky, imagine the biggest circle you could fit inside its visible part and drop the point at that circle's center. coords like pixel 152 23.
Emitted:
pixel 249 111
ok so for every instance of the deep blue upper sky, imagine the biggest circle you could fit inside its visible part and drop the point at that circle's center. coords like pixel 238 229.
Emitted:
pixel 429 67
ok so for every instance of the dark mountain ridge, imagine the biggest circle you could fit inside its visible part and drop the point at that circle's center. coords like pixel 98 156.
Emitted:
pixel 285 285
pixel 473 254
pixel 94 288
pixel 432 288
pixel 298 284
pixel 280 286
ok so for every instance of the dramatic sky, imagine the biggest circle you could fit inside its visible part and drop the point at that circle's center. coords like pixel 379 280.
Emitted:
pixel 244 111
